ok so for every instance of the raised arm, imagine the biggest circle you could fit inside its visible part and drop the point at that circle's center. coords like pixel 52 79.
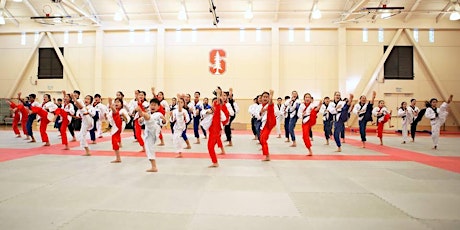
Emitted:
pixel 373 96
pixel 77 103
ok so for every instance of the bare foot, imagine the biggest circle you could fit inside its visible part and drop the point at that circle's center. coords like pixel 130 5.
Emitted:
pixel 93 142
pixel 134 141
pixel 161 144
pixel 100 136
pixel 205 138
pixel 86 154
pixel 18 136
pixel 142 150
pixel 215 165
pixel 188 147
pixel 293 145
pixel 152 170
pixel 229 145
pixel 27 138
pixel 339 149
pixel 222 153
pixel 267 158
pixel 287 141
pixel 179 155
pixel 32 141
pixel 197 143
pixel 66 148
pixel 435 147
pixel 116 161
pixel 73 140
pixel 279 136
pixel 255 138
pixel 47 144
pixel 404 142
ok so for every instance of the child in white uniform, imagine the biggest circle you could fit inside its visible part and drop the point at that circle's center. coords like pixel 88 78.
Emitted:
pixel 153 121
pixel 404 113
pixel 86 112
pixel 437 117
pixel 180 118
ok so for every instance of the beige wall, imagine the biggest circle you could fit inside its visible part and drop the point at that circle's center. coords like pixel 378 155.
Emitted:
pixel 126 61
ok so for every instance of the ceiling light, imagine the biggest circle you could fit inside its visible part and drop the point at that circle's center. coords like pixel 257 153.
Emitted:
pixel 454 16
pixel 118 16
pixel 182 13
pixel 385 15
pixel 2 20
pixel 248 14
pixel 17 0
pixel 316 14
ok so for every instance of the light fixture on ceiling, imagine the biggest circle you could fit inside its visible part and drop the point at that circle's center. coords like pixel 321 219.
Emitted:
pixel 316 14
pixel 2 19
pixel 248 14
pixel 386 15
pixel 118 16
pixel 17 0
pixel 182 12
pixel 454 16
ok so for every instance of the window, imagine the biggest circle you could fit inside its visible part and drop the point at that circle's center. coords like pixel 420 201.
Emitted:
pixel 49 65
pixel 400 63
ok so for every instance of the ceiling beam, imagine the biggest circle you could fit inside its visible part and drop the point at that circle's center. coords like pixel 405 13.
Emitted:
pixel 157 11
pixel 185 8
pixel 444 10
pixel 77 9
pixel 311 10
pixel 277 9
pixel 411 10
pixel 63 9
pixel 356 6
pixel 31 8
pixel 93 10
pixel 10 16
pixel 123 10
pixel 380 5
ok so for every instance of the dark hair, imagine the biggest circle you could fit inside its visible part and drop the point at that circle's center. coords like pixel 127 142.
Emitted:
pixel 91 97
pixel 279 98
pixel 265 92
pixel 287 97
pixel 48 96
pixel 97 95
pixel 198 93
pixel 118 99
pixel 307 94
pixel 59 99
pixel 427 104
pixel 413 99
pixel 33 96
pixel 326 97
pixel 433 99
pixel 402 103
pixel 121 93
pixel 77 92
pixel 155 101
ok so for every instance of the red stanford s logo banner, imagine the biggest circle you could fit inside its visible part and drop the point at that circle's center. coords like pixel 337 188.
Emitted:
pixel 216 58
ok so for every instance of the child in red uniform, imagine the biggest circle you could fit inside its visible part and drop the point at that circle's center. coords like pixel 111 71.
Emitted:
pixel 307 112
pixel 383 116
pixel 16 117
pixel 116 123
pixel 267 113
pixel 216 127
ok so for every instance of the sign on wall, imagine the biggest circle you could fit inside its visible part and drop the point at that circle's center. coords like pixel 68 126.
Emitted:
pixel 216 58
